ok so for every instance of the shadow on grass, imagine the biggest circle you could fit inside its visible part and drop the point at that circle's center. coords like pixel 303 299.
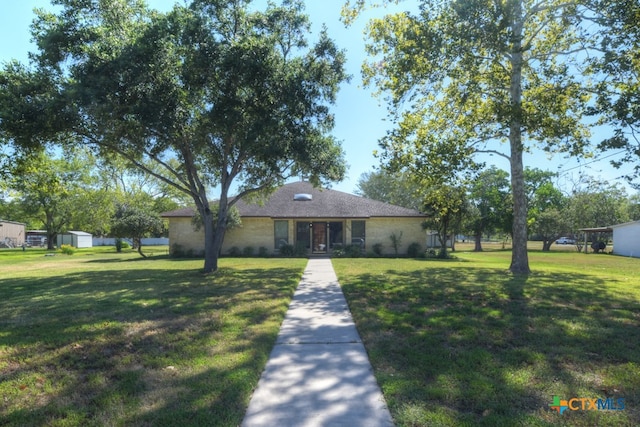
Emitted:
pixel 473 346
pixel 144 346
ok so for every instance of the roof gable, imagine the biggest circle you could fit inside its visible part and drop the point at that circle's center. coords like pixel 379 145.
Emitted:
pixel 321 203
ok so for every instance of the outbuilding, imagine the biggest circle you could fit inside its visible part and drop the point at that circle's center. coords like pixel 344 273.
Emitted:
pixel 12 234
pixel 77 239
pixel 626 239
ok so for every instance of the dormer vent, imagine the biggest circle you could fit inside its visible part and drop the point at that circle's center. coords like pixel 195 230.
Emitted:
pixel 301 197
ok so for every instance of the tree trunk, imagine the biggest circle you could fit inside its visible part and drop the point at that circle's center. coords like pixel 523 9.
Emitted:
pixel 443 238
pixel 478 241
pixel 546 245
pixel 210 257
pixel 220 230
pixel 52 233
pixel 519 256
pixel 138 242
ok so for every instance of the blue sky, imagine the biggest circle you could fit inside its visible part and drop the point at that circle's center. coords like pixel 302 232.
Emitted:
pixel 359 117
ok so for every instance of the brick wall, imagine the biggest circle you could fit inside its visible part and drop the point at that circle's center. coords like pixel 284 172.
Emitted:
pixel 259 232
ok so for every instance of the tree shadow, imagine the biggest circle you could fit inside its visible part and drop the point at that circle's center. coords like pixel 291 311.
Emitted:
pixel 481 346
pixel 143 346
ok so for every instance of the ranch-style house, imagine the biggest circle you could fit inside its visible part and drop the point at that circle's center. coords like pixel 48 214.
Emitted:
pixel 315 220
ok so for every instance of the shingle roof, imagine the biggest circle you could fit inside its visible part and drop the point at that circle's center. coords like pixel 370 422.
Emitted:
pixel 324 203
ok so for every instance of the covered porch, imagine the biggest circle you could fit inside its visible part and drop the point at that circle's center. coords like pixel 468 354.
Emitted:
pixel 599 239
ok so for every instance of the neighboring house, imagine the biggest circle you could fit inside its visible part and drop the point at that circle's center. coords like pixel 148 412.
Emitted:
pixel 316 220
pixel 77 239
pixel 626 239
pixel 12 234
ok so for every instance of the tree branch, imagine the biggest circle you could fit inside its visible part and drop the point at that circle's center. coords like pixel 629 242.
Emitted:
pixel 497 153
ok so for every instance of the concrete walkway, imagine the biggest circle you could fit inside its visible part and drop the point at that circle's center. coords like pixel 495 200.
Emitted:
pixel 318 373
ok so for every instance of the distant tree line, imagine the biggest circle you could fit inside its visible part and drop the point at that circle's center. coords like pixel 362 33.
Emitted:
pixel 75 190
pixel 481 206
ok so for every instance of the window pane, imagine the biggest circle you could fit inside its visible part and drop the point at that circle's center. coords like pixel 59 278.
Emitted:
pixel 336 236
pixel 358 233
pixel 281 233
pixel 302 235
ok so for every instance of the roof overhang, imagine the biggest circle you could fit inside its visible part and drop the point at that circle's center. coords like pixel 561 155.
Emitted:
pixel 597 230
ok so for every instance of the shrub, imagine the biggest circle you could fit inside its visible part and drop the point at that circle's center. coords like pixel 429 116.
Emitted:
pixel 67 249
pixel 177 251
pixel 118 245
pixel 349 251
pixel 396 241
pixel 301 249
pixel 234 251
pixel 247 251
pixel 437 253
pixel 354 251
pixel 413 251
pixel 287 250
pixel 430 253
pixel 377 249
pixel 263 252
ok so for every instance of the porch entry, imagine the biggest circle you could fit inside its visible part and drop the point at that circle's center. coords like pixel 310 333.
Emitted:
pixel 320 236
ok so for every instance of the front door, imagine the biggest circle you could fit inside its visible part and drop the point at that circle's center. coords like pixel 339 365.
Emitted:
pixel 319 240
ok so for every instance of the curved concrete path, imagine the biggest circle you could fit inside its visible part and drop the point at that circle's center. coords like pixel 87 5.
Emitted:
pixel 318 373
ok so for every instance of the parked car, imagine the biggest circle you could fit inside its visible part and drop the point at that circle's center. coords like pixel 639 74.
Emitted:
pixel 565 241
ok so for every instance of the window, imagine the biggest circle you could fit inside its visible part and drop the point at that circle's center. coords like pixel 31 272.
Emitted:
pixel 336 238
pixel 281 233
pixel 303 238
pixel 358 233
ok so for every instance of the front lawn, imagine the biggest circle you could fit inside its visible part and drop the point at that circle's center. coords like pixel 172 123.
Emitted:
pixel 463 342
pixel 100 338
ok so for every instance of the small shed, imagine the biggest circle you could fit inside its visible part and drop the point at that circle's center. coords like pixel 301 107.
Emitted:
pixel 626 239
pixel 12 234
pixel 77 239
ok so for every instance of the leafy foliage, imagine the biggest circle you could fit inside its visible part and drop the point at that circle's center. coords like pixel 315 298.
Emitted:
pixel 548 217
pixel 489 202
pixel 444 206
pixel 131 221
pixel 54 192
pixel 213 92
pixel 618 93
pixel 464 77
pixel 233 218
pixel 394 188
pixel 413 251
pixel 67 249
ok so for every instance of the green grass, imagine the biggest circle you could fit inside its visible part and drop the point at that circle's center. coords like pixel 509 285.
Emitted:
pixel 100 338
pixel 463 342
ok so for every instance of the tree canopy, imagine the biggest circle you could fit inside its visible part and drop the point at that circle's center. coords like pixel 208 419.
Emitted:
pixel 396 189
pixel 466 77
pixel 618 92
pixel 489 203
pixel 235 96
pixel 52 192
pixel 134 222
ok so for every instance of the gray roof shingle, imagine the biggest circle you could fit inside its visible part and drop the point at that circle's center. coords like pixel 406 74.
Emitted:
pixel 324 203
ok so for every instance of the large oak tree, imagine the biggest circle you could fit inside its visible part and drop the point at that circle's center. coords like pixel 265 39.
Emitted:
pixel 236 96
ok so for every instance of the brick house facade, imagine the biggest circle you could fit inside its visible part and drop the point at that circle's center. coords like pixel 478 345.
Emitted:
pixel 317 220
